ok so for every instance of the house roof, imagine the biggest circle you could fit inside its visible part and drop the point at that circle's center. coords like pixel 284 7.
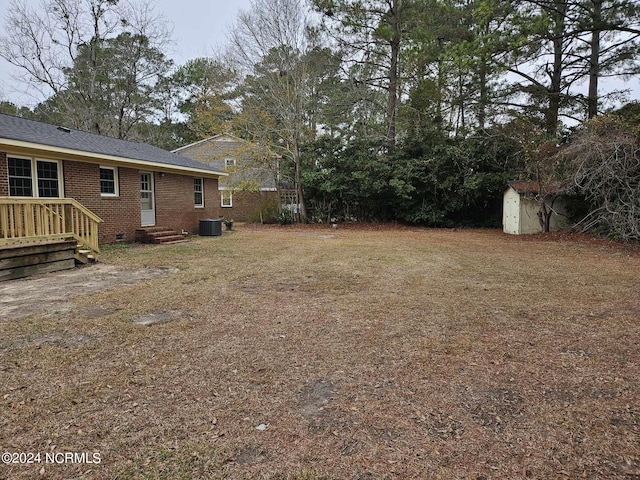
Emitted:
pixel 214 150
pixel 23 133
pixel 224 137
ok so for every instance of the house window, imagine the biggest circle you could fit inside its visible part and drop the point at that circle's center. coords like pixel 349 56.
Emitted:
pixel 20 180
pixel 27 177
pixel 227 198
pixel 198 197
pixel 229 162
pixel 109 182
pixel 48 182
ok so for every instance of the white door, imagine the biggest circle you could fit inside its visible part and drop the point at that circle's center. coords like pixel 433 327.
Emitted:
pixel 511 215
pixel 147 200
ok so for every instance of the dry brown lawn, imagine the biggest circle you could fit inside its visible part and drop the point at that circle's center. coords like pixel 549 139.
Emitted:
pixel 359 353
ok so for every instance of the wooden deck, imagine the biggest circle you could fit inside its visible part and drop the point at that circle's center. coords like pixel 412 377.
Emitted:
pixel 35 257
pixel 50 218
pixel 41 235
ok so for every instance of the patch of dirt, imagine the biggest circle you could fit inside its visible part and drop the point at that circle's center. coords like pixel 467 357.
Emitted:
pixel 251 455
pixel 317 235
pixel 59 339
pixel 314 397
pixel 441 426
pixel 494 408
pixel 51 292
pixel 151 318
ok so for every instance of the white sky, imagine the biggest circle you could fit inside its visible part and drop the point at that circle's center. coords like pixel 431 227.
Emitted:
pixel 199 27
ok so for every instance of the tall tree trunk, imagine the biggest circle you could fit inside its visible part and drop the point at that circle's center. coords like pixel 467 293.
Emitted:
pixel 484 95
pixel 298 179
pixel 594 60
pixel 392 100
pixel 461 105
pixel 555 88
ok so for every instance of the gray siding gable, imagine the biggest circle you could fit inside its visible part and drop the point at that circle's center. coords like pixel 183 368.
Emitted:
pixel 214 150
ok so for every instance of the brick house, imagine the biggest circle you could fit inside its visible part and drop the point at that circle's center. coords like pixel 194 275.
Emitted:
pixel 101 187
pixel 251 184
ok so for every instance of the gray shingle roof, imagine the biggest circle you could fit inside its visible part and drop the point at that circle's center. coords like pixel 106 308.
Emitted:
pixel 22 129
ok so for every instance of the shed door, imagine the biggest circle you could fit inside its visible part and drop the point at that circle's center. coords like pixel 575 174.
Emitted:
pixel 147 200
pixel 511 213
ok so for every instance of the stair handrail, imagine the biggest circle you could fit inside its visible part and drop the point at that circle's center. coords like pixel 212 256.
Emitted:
pixel 88 236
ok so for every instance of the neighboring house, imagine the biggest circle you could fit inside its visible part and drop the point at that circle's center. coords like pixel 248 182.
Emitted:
pixel 521 207
pixel 54 179
pixel 251 184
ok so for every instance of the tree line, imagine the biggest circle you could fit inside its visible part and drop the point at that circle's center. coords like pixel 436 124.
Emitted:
pixel 409 110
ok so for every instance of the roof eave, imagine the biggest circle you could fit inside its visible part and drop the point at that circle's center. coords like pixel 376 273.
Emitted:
pixel 105 158
pixel 198 142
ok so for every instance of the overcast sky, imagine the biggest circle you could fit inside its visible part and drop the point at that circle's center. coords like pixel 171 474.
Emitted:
pixel 199 27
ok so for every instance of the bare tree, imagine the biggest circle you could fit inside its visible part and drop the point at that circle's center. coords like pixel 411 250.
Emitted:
pixel 606 155
pixel 62 41
pixel 270 43
pixel 550 175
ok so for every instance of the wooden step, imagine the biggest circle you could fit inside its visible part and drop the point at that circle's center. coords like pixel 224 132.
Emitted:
pixel 169 238
pixel 158 235
pixel 152 229
pixel 18 261
pixel 162 233
pixel 84 256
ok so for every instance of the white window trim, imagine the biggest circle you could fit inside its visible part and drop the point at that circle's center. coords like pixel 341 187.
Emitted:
pixel 34 175
pixel 116 181
pixel 20 157
pixel 198 205
pixel 230 160
pixel 222 194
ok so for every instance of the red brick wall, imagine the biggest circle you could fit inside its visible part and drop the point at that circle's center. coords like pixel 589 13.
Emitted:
pixel 246 205
pixel 4 175
pixel 174 202
pixel 121 214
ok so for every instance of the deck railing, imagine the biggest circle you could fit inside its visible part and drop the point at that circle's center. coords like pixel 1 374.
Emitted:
pixel 32 218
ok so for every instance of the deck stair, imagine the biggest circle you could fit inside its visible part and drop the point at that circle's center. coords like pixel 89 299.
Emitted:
pixel 26 258
pixel 161 235
pixel 45 235
pixel 84 255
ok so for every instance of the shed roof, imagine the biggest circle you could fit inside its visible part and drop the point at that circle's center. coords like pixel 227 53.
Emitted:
pixel 22 132
pixel 531 187
pixel 525 186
